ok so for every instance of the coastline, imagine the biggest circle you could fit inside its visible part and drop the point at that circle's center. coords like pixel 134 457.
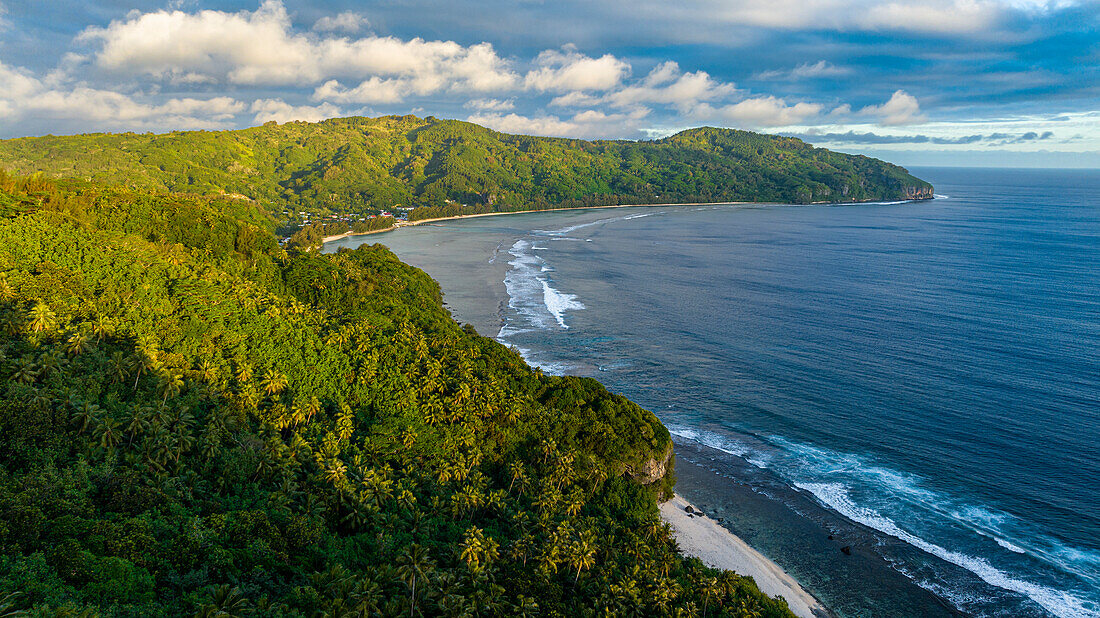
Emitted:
pixel 579 208
pixel 327 239
pixel 800 537
pixel 401 224
pixel 704 538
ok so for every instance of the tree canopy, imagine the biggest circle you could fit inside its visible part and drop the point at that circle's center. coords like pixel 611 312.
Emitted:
pixel 446 167
pixel 195 422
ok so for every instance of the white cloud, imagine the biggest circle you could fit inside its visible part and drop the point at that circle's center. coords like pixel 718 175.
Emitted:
pixel 806 70
pixel 515 123
pixel 261 48
pixel 267 110
pixel 765 111
pixel 950 16
pixel 491 105
pixel 587 124
pixel 347 21
pixel 668 85
pixel 568 70
pixel 933 16
pixel 16 83
pixel 24 97
pixel 373 90
pixel 902 108
pixel 575 99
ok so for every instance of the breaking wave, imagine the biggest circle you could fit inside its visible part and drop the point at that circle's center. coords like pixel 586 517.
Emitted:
pixel 900 505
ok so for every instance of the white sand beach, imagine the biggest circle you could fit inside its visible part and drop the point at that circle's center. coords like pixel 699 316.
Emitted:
pixel 706 539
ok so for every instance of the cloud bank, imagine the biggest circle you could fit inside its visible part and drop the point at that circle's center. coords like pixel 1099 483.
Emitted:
pixel 861 72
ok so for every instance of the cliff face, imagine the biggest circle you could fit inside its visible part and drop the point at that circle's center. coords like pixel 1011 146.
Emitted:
pixel 918 193
pixel 653 469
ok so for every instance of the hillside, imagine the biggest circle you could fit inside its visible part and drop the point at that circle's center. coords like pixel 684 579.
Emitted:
pixel 194 422
pixel 447 167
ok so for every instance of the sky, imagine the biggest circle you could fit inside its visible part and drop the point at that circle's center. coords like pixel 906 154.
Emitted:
pixel 1010 83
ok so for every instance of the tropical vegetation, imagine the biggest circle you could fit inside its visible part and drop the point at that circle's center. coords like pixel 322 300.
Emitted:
pixel 431 167
pixel 195 422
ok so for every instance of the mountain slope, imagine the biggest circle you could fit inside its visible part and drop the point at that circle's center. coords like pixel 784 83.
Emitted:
pixel 194 422
pixel 353 164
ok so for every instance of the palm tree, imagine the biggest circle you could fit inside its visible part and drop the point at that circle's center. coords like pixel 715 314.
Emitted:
pixel 118 367
pixel 225 602
pixel 297 415
pixel 85 413
pixel 574 502
pixel 102 328
pixel 518 474
pixel 345 423
pixel 334 471
pixel 412 565
pixel 208 371
pixel 51 362
pixel 108 434
pixel 143 361
pixel 273 382
pixel 433 411
pixel 139 422
pixel 147 346
pixel 182 441
pixel 710 587
pixel 42 318
pixel 582 554
pixel 313 409
pixel 78 343
pixel 169 384
pixel 478 550
pixel 26 371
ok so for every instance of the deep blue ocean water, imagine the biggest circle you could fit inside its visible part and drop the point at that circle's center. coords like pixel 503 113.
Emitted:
pixel 929 371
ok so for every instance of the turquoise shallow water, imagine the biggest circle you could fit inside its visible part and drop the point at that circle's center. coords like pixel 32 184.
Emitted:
pixel 920 380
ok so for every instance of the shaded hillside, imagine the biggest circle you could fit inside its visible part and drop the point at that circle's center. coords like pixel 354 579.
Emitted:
pixel 193 422
pixel 452 167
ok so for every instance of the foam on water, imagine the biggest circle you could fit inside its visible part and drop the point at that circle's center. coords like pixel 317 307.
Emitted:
pixel 927 377
pixel 899 505
pixel 572 228
pixel 557 303
pixel 535 303
pixel 1061 603
pixel 547 366
pixel 526 282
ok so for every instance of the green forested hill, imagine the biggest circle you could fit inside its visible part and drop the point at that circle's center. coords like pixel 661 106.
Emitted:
pixel 193 422
pixel 353 164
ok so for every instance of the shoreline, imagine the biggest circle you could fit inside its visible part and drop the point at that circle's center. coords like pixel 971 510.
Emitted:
pixel 806 548
pixel 328 239
pixel 401 224
pixel 704 538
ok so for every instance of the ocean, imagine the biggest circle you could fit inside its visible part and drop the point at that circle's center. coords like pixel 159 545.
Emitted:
pixel 916 382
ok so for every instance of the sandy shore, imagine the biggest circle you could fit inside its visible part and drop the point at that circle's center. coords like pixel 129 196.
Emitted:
pixel 705 539
pixel 327 239
pixel 527 212
pixel 349 234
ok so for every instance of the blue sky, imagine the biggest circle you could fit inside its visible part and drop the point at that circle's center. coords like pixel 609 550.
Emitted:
pixel 949 82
